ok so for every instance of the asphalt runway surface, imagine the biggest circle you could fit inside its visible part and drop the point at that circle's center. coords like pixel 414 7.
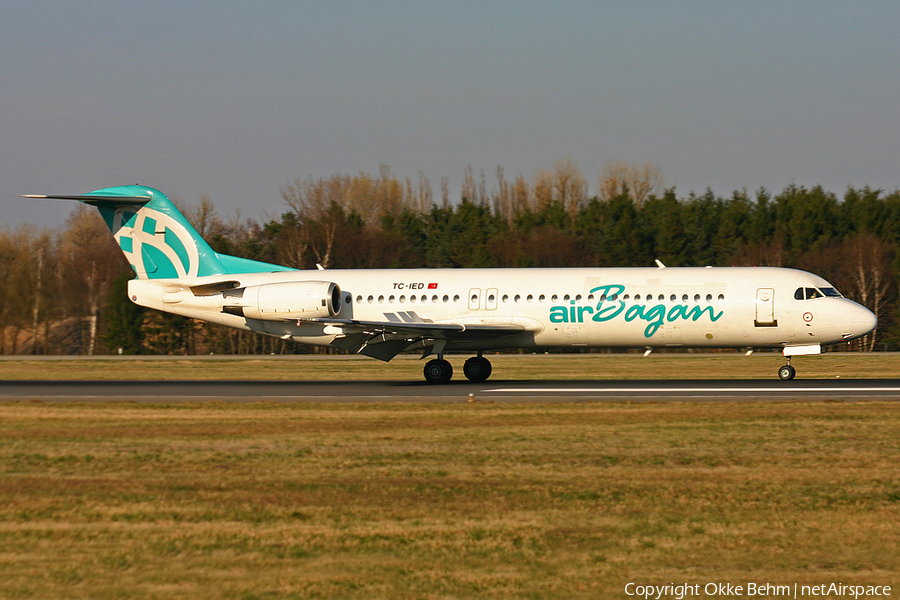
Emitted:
pixel 461 391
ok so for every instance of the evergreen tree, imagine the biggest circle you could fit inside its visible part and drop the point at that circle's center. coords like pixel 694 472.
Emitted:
pixel 123 328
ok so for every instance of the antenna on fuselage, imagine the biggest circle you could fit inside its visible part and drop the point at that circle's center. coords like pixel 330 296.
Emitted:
pixel 659 263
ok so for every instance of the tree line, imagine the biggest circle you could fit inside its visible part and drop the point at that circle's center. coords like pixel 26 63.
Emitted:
pixel 63 292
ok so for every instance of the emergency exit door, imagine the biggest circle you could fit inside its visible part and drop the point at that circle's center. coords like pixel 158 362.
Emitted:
pixel 765 308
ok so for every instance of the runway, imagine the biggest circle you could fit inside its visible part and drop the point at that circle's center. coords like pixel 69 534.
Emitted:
pixel 490 391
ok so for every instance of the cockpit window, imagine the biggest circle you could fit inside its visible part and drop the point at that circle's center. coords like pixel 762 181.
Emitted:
pixel 810 293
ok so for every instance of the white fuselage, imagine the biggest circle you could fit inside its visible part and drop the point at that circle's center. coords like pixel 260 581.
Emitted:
pixel 576 307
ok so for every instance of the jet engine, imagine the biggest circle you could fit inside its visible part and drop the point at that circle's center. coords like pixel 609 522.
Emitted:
pixel 284 301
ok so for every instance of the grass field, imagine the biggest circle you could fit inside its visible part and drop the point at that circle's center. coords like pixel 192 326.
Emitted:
pixel 266 501
pixel 506 367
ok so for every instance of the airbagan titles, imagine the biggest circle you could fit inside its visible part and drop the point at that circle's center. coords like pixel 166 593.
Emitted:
pixel 611 305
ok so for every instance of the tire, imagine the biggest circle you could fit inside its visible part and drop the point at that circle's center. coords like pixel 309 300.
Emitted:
pixel 477 369
pixel 438 371
pixel 786 372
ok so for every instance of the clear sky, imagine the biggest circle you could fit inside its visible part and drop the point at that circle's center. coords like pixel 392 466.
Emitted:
pixel 235 99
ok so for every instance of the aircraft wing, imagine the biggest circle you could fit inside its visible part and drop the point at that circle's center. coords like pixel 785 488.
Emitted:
pixel 385 339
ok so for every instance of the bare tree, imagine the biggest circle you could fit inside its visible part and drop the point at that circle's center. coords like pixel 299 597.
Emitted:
pixel 469 190
pixel 502 204
pixel 544 184
pixel 89 261
pixel 570 187
pixel 312 202
pixel 202 216
pixel 445 192
pixel 521 196
pixel 641 181
pixel 868 267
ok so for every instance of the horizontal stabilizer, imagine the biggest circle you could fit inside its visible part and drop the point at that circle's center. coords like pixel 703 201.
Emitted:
pixel 156 239
pixel 96 200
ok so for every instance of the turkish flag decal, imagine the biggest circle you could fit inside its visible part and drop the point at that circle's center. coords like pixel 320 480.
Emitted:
pixel 432 286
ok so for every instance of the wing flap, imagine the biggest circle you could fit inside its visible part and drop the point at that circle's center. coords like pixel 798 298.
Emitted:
pixel 386 339
pixel 425 330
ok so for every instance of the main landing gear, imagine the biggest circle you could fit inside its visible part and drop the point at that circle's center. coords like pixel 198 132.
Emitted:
pixel 787 372
pixel 438 371
pixel 476 369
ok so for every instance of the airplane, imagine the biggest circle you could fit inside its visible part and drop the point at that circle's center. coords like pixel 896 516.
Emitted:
pixel 383 312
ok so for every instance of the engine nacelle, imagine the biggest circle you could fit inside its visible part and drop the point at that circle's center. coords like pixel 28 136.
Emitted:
pixel 286 300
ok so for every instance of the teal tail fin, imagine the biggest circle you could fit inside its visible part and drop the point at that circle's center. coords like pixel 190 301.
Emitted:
pixel 157 240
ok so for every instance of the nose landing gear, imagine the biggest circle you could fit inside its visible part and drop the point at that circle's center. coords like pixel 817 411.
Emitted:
pixel 787 372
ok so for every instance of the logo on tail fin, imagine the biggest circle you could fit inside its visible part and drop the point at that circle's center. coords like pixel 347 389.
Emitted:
pixel 157 240
pixel 156 245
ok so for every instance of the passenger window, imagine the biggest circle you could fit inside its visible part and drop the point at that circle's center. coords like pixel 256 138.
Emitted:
pixel 709 297
pixel 625 298
pixel 505 298
pixel 721 297
pixel 673 297
pixel 696 297
pixel 578 298
pixel 517 298
pixel 661 297
pixel 411 299
pixel 380 299
pixel 446 298
pixel 402 299
pixel 456 298
pixel 566 298
pixel 541 298
pixel 391 299
pixel 684 298
pixel 370 299
pixel 359 299
pixel 530 297
pixel 637 297
pixel 553 298
pixel 798 295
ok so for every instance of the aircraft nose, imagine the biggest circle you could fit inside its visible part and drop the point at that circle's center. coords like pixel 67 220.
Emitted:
pixel 864 321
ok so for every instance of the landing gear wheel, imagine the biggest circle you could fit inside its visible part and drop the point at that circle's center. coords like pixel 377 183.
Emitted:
pixel 438 371
pixel 477 369
pixel 786 372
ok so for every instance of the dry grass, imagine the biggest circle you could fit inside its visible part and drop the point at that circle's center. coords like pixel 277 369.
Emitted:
pixel 506 366
pixel 442 501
